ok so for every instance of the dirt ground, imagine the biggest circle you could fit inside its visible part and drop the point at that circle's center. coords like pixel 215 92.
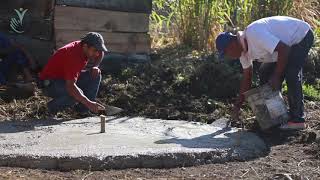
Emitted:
pixel 169 88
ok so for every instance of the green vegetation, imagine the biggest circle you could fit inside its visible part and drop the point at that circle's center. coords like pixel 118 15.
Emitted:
pixel 311 92
pixel 197 22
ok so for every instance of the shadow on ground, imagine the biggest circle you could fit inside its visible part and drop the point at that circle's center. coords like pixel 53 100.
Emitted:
pixel 13 126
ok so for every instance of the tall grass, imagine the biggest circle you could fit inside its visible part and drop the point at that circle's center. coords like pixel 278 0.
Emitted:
pixel 197 22
pixel 308 10
pixel 193 22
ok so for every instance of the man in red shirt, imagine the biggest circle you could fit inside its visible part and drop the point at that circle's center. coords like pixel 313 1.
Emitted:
pixel 68 82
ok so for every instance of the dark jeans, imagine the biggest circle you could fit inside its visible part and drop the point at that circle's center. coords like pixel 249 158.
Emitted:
pixel 11 65
pixel 293 76
pixel 61 98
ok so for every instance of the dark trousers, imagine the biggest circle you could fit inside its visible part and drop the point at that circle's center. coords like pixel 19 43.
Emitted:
pixel 11 65
pixel 61 98
pixel 293 76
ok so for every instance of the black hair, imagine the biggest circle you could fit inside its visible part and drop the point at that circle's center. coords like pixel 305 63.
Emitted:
pixel 82 42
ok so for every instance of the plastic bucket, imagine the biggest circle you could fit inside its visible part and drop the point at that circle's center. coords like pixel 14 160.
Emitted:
pixel 268 106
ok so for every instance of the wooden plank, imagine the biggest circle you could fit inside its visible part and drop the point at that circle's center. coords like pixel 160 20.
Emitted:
pixel 115 42
pixel 139 6
pixel 37 21
pixel 82 19
pixel 36 8
pixel 37 28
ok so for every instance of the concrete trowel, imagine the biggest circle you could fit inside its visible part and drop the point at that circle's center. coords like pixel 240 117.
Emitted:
pixel 110 110
pixel 107 111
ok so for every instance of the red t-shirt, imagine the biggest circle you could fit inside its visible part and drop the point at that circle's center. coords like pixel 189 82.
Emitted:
pixel 66 63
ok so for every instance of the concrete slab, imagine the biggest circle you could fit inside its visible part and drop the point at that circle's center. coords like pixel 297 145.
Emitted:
pixel 127 143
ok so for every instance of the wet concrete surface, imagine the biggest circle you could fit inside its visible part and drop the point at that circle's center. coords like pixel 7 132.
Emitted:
pixel 128 143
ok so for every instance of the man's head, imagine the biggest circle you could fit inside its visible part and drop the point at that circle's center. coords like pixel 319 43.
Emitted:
pixel 228 45
pixel 93 44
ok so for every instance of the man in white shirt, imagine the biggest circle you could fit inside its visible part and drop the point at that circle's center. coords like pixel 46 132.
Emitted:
pixel 282 45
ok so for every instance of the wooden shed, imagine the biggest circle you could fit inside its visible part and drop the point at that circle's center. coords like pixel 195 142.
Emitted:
pixel 49 24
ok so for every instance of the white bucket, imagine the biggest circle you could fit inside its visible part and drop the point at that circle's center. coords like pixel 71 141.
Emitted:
pixel 268 106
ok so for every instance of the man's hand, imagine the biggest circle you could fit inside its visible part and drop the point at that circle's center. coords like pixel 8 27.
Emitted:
pixel 95 107
pixel 78 95
pixel 275 82
pixel 95 72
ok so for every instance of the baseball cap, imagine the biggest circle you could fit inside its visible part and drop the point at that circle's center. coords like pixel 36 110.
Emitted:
pixel 96 40
pixel 223 41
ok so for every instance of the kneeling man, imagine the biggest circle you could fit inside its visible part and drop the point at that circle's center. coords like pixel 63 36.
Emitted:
pixel 66 79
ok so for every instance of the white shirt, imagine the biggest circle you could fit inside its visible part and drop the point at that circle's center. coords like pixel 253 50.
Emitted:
pixel 264 35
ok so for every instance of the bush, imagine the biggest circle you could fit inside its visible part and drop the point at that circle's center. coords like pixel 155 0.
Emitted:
pixel 216 79
pixel 310 92
pixel 312 67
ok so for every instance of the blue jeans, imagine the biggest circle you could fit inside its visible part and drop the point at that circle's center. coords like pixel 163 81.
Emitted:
pixel 61 98
pixel 11 65
pixel 293 76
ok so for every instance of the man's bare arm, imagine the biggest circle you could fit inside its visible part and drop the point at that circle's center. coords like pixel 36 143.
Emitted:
pixel 245 85
pixel 283 53
pixel 76 93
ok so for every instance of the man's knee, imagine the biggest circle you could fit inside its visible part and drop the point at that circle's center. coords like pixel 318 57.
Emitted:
pixel 98 78
pixel 90 80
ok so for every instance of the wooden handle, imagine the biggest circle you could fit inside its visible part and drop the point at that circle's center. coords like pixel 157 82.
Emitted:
pixel 103 123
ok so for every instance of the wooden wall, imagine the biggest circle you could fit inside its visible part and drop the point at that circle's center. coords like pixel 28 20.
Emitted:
pixel 123 23
pixel 138 6
pixel 37 25
pixel 50 24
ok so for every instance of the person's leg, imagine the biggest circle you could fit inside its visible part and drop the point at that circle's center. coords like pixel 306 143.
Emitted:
pixel 293 78
pixel 265 72
pixel 14 71
pixel 89 86
pixel 17 62
pixel 61 99
pixel 2 79
pixel 293 75
pixel 5 69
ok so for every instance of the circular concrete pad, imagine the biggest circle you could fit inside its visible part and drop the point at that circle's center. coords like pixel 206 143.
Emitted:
pixel 127 143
